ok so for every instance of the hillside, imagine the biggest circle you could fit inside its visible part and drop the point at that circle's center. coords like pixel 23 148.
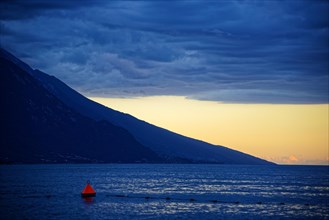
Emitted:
pixel 50 116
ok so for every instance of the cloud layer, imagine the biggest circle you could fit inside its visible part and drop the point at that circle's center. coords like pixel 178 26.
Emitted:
pixel 230 51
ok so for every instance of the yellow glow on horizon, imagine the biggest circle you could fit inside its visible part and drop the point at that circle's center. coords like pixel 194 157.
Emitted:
pixel 288 134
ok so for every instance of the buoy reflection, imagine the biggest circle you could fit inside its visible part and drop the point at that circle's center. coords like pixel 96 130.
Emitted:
pixel 88 199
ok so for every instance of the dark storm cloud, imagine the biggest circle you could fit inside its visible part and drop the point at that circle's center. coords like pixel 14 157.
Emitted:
pixel 232 51
pixel 23 9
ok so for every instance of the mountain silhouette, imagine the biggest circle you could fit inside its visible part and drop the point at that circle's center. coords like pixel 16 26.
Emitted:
pixel 46 121
pixel 38 127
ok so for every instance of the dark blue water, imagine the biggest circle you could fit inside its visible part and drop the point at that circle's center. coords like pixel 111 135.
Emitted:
pixel 149 191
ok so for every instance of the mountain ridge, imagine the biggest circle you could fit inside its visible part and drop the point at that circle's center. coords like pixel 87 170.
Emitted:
pixel 39 128
pixel 164 143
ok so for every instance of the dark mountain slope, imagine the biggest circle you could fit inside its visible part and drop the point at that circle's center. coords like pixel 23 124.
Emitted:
pixel 166 144
pixel 37 127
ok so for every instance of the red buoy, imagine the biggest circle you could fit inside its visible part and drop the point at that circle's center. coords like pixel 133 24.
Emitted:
pixel 88 191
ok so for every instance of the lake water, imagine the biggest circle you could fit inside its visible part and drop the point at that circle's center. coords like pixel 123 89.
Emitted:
pixel 164 191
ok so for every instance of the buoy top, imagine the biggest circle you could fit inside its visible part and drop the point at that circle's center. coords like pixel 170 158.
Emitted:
pixel 88 190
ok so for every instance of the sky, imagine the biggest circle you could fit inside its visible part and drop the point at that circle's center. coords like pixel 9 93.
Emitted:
pixel 245 59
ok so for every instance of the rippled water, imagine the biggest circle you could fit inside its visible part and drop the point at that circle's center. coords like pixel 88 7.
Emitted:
pixel 158 191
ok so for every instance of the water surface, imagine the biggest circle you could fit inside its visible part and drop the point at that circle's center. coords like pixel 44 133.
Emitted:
pixel 164 191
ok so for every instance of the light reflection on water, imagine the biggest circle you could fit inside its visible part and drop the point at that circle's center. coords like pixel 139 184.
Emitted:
pixel 217 191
